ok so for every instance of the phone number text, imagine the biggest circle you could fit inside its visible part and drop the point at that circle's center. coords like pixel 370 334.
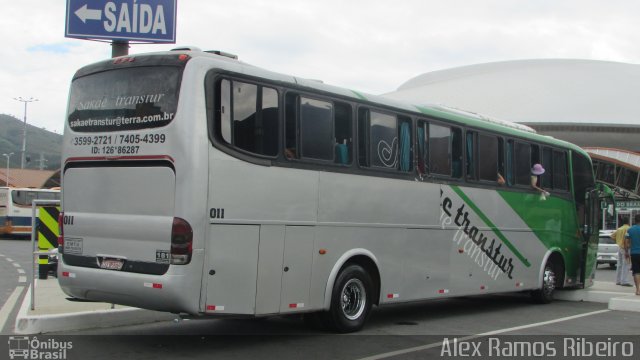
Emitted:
pixel 119 139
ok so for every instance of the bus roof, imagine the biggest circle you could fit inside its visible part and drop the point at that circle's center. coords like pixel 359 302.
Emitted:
pixel 461 117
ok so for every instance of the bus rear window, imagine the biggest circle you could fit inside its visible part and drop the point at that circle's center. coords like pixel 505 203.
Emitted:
pixel 124 99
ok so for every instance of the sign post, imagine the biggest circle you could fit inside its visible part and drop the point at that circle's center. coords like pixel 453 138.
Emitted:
pixel 122 21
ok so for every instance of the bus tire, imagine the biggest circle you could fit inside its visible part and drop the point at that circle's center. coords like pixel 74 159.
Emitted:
pixel 544 295
pixel 351 300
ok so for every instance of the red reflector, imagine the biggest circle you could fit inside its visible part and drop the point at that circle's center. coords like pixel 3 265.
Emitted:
pixel 61 230
pixel 157 286
pixel 482 287
pixel 293 306
pixel 65 273
pixel 211 307
pixel 123 59
pixel 389 296
pixel 183 57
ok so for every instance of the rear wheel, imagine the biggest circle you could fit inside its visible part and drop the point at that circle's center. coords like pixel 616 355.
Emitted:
pixel 351 300
pixel 549 283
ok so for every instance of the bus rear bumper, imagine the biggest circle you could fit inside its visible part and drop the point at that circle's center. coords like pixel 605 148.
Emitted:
pixel 177 291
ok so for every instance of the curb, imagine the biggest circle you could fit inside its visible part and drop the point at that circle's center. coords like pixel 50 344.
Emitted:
pixel 36 324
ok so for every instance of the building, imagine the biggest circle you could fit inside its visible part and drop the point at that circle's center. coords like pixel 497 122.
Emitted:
pixel 30 178
pixel 590 103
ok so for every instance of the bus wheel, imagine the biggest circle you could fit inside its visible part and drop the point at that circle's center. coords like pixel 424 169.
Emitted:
pixel 350 300
pixel 549 282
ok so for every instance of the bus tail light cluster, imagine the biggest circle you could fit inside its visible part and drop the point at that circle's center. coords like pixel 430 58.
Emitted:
pixel 181 242
pixel 61 232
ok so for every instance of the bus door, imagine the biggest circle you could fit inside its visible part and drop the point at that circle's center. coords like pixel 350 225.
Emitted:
pixel 589 234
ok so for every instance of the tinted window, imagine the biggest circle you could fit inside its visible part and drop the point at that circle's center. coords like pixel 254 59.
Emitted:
pixel 560 176
pixel 583 177
pixel 422 137
pixel 384 140
pixel 440 149
pixel 547 163
pixel 124 99
pixel 522 164
pixel 248 116
pixel 488 157
pixel 343 134
pixel 245 123
pixel 316 129
pixel 471 156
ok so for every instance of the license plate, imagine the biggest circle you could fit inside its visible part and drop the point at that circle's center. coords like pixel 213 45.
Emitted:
pixel 112 264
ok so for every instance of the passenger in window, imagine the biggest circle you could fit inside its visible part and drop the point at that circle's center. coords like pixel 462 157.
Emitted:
pixel 536 171
pixel 290 153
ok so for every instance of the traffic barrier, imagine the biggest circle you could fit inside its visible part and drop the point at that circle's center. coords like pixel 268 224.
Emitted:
pixel 47 224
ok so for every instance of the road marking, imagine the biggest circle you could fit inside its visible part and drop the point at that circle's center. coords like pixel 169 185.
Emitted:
pixel 22 279
pixel 9 259
pixel 467 338
pixel 8 306
pixel 1 255
pixel 16 264
pixel 20 271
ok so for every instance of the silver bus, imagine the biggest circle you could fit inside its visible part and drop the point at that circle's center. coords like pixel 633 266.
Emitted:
pixel 197 184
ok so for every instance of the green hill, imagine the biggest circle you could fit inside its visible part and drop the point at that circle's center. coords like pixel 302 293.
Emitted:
pixel 40 142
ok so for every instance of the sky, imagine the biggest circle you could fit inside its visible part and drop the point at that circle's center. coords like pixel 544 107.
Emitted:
pixel 371 46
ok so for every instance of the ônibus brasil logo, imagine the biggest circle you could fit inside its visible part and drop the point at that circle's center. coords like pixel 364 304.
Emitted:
pixel 23 347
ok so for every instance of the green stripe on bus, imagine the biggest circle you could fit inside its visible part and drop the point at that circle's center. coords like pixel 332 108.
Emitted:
pixel 359 95
pixel 490 224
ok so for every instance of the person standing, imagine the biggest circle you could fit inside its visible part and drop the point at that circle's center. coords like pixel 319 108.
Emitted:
pixel 622 268
pixel 633 244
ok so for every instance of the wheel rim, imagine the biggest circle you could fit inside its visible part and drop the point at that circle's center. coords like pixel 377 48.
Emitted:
pixel 353 299
pixel 549 281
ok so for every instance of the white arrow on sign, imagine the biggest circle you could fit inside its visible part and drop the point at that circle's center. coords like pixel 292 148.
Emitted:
pixel 85 14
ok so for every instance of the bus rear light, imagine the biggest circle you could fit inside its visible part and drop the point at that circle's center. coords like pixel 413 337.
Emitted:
pixel 183 57
pixel 61 232
pixel 181 242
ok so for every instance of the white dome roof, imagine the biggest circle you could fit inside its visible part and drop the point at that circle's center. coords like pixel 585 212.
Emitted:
pixel 551 91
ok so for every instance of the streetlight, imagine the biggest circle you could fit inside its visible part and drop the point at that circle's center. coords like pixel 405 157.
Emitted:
pixel 24 131
pixel 8 156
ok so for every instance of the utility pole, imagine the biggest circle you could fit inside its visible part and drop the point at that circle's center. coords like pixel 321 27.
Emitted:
pixel 8 156
pixel 24 130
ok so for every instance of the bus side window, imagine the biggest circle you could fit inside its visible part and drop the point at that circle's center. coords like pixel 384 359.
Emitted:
pixel 316 129
pixel 405 147
pixel 384 140
pixel 363 137
pixel 508 162
pixel 422 147
pixel 291 131
pixel 547 163
pixel 471 160
pixel 456 153
pixel 560 171
pixel 440 149
pixel 488 157
pixel 343 134
pixel 248 117
pixel 522 163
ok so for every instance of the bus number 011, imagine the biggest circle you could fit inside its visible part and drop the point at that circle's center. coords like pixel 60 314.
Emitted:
pixel 216 213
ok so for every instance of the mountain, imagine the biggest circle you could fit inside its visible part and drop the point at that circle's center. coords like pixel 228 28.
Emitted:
pixel 40 142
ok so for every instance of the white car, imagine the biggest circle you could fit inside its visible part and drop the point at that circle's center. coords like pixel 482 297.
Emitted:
pixel 607 250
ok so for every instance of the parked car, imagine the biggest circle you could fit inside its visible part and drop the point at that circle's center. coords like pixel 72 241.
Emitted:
pixel 607 250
